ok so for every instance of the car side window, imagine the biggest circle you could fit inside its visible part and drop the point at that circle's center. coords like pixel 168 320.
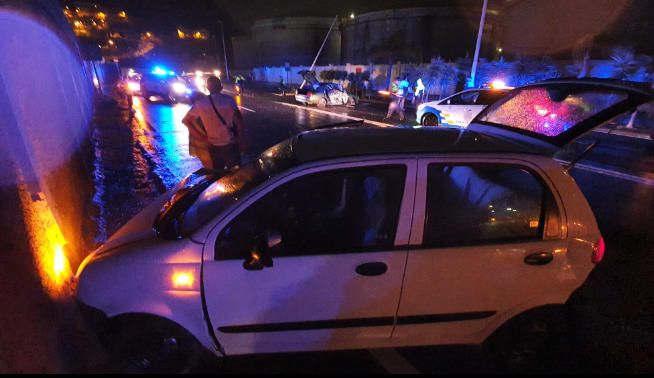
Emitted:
pixel 341 211
pixel 488 97
pixel 468 98
pixel 483 204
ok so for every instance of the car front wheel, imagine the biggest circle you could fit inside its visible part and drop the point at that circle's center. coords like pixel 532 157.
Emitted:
pixel 152 345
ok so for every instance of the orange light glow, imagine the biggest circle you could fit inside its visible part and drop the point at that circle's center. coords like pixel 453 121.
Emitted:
pixel 181 34
pixel 384 93
pixel 183 280
pixel 199 35
pixel 498 84
pixel 47 244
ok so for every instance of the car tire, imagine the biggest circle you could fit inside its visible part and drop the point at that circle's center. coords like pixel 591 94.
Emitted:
pixel 352 101
pixel 322 103
pixel 430 119
pixel 152 345
pixel 536 341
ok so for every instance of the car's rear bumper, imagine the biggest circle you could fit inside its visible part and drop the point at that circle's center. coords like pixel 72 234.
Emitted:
pixel 303 98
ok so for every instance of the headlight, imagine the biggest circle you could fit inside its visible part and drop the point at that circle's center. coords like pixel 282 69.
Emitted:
pixel 179 88
pixel 133 86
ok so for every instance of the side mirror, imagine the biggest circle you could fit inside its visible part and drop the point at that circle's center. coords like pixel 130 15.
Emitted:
pixel 260 257
pixel 253 263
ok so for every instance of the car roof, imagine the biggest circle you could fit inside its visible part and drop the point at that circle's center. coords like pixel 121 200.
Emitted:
pixel 366 140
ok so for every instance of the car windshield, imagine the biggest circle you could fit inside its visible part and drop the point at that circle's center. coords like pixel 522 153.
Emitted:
pixel 229 189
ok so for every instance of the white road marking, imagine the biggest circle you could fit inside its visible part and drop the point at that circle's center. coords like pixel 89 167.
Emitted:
pixel 392 361
pixel 247 109
pixel 381 124
pixel 607 172
pixel 625 133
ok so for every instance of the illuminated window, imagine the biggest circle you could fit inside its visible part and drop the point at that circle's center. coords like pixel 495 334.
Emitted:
pixel 199 35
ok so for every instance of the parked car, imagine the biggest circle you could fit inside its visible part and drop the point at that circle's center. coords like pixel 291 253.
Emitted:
pixel 459 109
pixel 358 237
pixel 321 94
pixel 165 87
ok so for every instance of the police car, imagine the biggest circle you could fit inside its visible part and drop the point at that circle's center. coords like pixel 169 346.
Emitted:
pixel 162 85
pixel 459 109
pixel 361 237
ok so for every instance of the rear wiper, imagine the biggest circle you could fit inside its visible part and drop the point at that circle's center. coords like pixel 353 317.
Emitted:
pixel 340 124
pixel 168 224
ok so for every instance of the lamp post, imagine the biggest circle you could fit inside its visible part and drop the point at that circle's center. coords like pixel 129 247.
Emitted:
pixel 222 33
pixel 471 82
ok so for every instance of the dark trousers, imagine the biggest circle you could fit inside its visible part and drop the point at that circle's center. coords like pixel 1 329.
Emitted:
pixel 225 157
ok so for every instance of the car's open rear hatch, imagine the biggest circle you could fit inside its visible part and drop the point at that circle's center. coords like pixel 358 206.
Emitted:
pixel 556 112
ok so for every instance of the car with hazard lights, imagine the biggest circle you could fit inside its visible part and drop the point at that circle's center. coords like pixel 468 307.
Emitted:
pixel 362 237
pixel 322 94
pixel 459 109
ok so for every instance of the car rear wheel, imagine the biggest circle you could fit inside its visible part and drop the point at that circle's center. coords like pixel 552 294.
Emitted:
pixel 430 119
pixel 535 341
pixel 143 344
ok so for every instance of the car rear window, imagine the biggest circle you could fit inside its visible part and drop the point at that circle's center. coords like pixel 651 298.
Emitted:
pixel 548 111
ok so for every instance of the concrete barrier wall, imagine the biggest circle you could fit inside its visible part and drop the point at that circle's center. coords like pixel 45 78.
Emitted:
pixel 46 102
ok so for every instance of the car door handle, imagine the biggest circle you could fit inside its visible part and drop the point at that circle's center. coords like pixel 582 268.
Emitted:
pixel 372 269
pixel 542 258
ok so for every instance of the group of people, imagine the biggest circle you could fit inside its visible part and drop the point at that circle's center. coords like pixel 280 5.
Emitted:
pixel 400 90
pixel 216 130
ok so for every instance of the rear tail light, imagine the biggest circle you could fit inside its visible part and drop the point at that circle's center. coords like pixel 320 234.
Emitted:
pixel 598 251
pixel 309 94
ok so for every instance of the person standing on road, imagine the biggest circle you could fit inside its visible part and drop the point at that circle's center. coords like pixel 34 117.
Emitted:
pixel 216 129
pixel 397 101
pixel 419 92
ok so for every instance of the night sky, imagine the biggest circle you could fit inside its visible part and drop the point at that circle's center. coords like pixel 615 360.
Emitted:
pixel 238 16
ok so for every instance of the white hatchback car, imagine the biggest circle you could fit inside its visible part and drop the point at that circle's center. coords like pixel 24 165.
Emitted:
pixel 459 109
pixel 352 238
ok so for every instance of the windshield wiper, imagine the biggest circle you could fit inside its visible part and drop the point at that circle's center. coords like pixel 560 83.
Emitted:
pixel 168 224
pixel 340 124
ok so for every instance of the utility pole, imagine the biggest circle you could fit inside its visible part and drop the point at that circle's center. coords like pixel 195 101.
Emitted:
pixel 471 82
pixel 321 47
pixel 222 33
